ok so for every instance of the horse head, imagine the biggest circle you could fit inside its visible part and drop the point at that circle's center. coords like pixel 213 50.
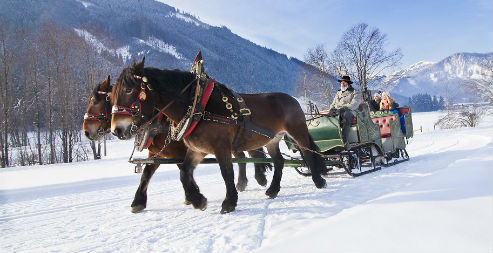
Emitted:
pixel 133 101
pixel 97 117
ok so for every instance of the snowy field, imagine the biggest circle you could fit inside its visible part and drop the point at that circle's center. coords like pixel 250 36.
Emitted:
pixel 439 201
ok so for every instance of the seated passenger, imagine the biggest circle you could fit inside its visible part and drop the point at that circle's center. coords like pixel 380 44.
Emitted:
pixel 387 102
pixel 346 101
pixel 375 103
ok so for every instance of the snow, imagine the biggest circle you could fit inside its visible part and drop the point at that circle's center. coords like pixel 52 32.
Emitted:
pixel 161 46
pixel 439 201
pixel 185 18
pixel 123 52
pixel 85 4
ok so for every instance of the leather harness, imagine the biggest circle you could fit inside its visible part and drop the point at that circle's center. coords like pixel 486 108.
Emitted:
pixel 196 112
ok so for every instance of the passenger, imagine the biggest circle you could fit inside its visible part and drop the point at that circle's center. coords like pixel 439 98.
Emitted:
pixel 346 101
pixel 387 102
pixel 375 103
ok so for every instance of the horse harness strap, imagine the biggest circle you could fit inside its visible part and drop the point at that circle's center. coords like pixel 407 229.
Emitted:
pixel 135 109
pixel 245 124
pixel 209 116
pixel 195 111
pixel 103 115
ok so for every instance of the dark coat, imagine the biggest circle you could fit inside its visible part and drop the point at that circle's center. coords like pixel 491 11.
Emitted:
pixel 374 105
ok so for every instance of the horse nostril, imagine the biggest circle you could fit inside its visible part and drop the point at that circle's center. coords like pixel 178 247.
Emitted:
pixel 86 133
pixel 117 132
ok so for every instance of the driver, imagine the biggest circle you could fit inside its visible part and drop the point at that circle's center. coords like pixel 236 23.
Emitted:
pixel 346 101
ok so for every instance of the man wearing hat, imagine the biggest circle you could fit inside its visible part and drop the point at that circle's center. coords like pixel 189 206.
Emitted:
pixel 346 101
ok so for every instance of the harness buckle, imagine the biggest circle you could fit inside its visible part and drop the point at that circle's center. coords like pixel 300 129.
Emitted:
pixel 133 128
pixel 245 111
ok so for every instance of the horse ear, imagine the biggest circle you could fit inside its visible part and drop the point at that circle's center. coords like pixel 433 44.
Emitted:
pixel 105 84
pixel 140 65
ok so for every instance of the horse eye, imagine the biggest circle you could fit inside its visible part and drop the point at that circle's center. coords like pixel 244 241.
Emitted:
pixel 128 90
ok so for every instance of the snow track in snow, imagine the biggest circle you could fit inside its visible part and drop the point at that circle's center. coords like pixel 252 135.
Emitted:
pixel 93 214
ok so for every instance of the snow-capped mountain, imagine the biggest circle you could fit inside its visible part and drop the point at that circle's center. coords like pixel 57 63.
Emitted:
pixel 444 78
pixel 168 37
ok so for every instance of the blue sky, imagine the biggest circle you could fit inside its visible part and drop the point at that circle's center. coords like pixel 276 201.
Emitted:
pixel 424 30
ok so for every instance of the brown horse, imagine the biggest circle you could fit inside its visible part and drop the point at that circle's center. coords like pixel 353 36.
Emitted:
pixel 278 113
pixel 97 123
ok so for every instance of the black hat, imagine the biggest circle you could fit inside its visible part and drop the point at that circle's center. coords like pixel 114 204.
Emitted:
pixel 345 78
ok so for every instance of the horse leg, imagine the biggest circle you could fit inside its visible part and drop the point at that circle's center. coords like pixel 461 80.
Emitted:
pixel 223 156
pixel 275 153
pixel 140 199
pixel 242 178
pixel 260 168
pixel 313 160
pixel 192 191
pixel 187 201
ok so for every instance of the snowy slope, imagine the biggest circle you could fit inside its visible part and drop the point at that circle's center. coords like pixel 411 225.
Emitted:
pixel 439 201
pixel 444 78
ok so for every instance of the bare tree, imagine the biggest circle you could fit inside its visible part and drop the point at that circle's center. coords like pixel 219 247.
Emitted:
pixel 361 54
pixel 49 42
pixel 317 81
pixel 6 57
pixel 466 117
pixel 34 88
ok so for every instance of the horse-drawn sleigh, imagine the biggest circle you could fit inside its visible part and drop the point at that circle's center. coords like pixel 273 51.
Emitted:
pixel 182 116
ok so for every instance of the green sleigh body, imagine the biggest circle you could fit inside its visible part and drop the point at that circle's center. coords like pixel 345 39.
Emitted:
pixel 374 139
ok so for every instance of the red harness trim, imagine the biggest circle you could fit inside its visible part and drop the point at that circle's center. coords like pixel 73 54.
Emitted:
pixel 203 102
pixel 119 109
pixel 92 116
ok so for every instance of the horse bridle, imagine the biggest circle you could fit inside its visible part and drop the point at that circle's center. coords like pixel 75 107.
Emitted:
pixel 135 109
pixel 103 116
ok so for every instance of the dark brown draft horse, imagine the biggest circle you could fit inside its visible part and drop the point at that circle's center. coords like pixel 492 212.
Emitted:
pixel 276 112
pixel 97 123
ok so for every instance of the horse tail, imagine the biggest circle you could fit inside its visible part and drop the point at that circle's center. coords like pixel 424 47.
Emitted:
pixel 310 153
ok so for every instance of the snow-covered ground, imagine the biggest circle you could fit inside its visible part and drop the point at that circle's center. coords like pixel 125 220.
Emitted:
pixel 439 201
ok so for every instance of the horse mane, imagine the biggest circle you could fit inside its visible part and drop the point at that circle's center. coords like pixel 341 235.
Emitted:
pixel 162 80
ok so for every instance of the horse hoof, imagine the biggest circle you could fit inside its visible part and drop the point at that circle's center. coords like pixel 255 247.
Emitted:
pixel 202 205
pixel 271 193
pixel 137 209
pixel 227 209
pixel 262 181
pixel 320 183
pixel 241 186
pixel 187 202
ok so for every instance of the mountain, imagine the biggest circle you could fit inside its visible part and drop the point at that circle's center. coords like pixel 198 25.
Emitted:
pixel 167 37
pixel 444 78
